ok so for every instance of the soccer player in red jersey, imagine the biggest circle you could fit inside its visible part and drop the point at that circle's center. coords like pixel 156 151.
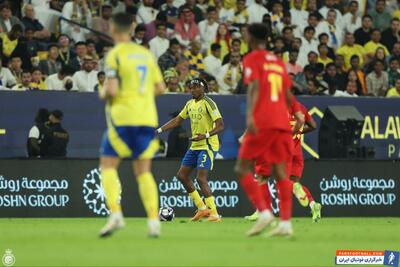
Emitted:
pixel 269 133
pixel 300 191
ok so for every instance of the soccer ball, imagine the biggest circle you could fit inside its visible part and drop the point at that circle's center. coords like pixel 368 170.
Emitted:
pixel 166 214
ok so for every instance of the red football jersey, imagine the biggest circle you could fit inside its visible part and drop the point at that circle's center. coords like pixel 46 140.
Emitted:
pixel 271 111
pixel 307 117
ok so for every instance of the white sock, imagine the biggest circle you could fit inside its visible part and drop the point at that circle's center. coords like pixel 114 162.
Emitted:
pixel 285 224
pixel 264 215
pixel 312 204
pixel 116 215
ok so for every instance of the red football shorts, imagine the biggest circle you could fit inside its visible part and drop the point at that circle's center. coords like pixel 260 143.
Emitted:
pixel 266 148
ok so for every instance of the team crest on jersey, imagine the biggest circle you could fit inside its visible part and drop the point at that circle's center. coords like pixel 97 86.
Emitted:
pixel 200 109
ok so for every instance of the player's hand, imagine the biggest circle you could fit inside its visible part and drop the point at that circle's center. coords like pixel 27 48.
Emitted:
pixel 199 137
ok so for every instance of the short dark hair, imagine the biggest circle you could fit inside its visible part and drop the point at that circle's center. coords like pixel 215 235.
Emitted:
pixel 258 31
pixel 67 70
pixel 100 73
pixel 311 53
pixel 322 34
pixel 354 57
pixel 379 61
pixel 80 43
pixel 287 28
pixel 140 28
pixel 395 19
pixel 211 9
pixel 366 17
pixel 122 21
pixel 315 14
pixel 236 40
pixel 51 46
pixel 309 28
pixel 57 113
pixel 173 41
pixel 375 30
pixel 5 5
pixel 215 46
pixel 161 24
pixel 353 2
pixel 106 6
pixel 321 45
pixel 17 28
pixel 393 59
pixel 294 51
pixel 331 64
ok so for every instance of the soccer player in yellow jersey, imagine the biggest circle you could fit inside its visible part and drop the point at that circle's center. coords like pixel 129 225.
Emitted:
pixel 132 81
pixel 206 122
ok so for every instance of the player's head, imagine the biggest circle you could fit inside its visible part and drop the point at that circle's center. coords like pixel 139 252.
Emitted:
pixel 121 27
pixel 198 87
pixel 258 34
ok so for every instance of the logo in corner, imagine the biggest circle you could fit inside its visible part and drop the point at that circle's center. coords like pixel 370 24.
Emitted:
pixel 391 258
pixel 8 258
pixel 93 193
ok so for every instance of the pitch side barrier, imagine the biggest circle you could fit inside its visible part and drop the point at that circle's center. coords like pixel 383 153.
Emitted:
pixel 71 188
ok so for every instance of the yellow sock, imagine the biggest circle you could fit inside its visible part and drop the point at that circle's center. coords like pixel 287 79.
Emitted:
pixel 149 194
pixel 112 189
pixel 210 202
pixel 197 200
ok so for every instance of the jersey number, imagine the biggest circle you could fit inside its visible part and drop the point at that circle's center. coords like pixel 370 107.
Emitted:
pixel 276 83
pixel 142 69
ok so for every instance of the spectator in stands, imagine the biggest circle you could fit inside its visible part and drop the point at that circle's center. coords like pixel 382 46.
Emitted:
pixel 7 80
pixel 353 85
pixel 140 31
pixel 213 87
pixel 330 76
pixel 349 49
pixel 379 54
pixel 330 5
pixel 225 14
pixel 208 28
pixel 235 47
pixel 230 75
pixel 102 24
pixel 198 13
pixel 302 78
pixel 323 38
pixel 380 16
pixel 86 79
pixel 323 54
pixel 171 13
pixel 223 38
pixel 37 82
pixel 36 133
pixel 308 44
pixel 371 46
pixel 160 43
pixel 62 80
pixel 256 11
pixel 15 65
pixel 334 28
pixel 341 72
pixel 146 13
pixel 55 140
pixel 91 50
pixel 81 52
pixel 393 72
pixel 351 89
pixel 186 29
pixel 292 66
pixel 95 7
pixel 151 28
pixel 390 36
pixel 66 55
pixel 31 22
pixel 78 12
pixel 181 71
pixel 377 81
pixel 299 15
pixel 117 6
pixel 363 34
pixel 101 78
pixel 314 87
pixel 351 21
pixel 212 63
pixel 172 84
pixel 7 20
pixel 50 65
pixel 32 44
pixel 195 58
pixel 395 91
pixel 105 49
pixel 170 58
pixel 355 66
pixel 10 40
pixel 25 84
pixel 241 15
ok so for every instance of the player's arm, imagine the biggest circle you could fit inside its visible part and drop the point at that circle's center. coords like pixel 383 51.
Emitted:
pixel 175 122
pixel 310 124
pixel 252 96
pixel 299 117
pixel 219 127
pixel 111 83
pixel 159 89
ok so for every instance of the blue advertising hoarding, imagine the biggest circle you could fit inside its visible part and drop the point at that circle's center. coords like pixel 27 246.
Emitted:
pixel 84 120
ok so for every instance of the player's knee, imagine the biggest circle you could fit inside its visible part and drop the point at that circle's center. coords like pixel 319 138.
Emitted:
pixel 181 177
pixel 240 170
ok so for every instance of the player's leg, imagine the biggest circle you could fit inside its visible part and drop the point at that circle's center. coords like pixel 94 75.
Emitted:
pixel 148 193
pixel 255 195
pixel 205 163
pixel 109 162
pixel 189 162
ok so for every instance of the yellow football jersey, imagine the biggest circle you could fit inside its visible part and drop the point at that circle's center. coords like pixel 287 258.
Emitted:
pixel 137 72
pixel 202 115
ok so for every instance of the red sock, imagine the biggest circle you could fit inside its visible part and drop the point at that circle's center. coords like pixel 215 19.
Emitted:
pixel 266 194
pixel 285 196
pixel 308 194
pixel 253 191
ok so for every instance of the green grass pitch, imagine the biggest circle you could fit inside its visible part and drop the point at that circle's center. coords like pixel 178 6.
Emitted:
pixel 74 242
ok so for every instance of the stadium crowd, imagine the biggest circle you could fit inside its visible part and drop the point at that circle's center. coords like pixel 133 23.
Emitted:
pixel 330 47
